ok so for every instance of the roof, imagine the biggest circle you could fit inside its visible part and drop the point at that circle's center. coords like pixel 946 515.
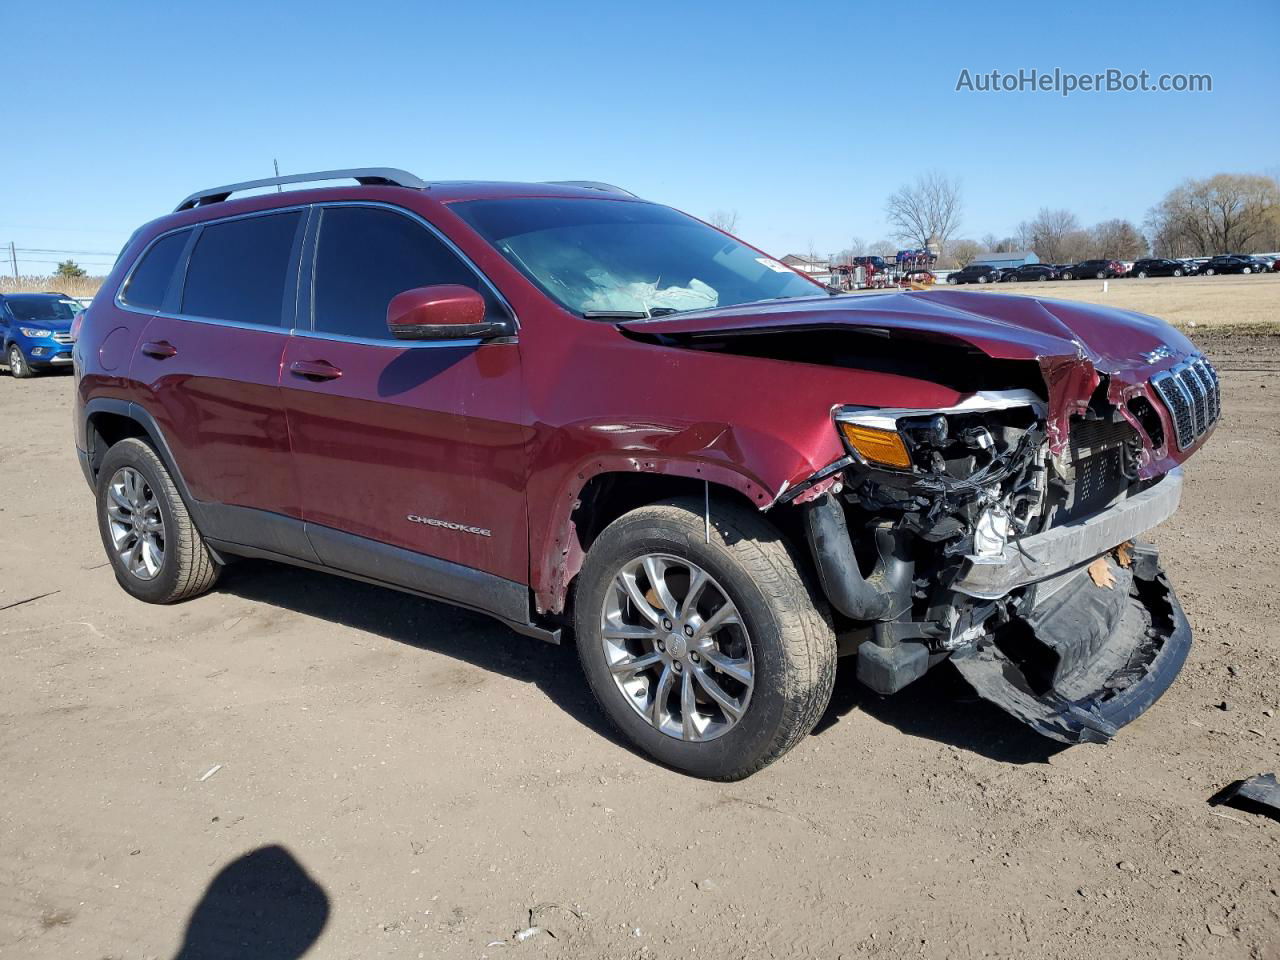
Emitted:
pixel 447 191
pixel 793 258
pixel 393 177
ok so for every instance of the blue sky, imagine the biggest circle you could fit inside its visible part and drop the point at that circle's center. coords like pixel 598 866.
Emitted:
pixel 802 118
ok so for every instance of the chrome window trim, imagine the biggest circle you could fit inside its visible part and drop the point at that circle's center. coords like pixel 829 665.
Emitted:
pixel 434 231
pixel 120 303
pixel 391 341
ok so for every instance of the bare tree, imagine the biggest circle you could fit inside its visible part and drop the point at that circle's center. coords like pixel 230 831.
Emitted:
pixel 964 252
pixel 1055 236
pixel 927 212
pixel 726 220
pixel 883 248
pixel 1223 214
pixel 1118 240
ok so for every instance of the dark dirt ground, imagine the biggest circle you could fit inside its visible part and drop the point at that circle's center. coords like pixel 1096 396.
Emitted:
pixel 401 779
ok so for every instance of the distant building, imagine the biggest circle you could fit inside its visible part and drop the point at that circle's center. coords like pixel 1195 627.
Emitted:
pixel 1013 258
pixel 810 265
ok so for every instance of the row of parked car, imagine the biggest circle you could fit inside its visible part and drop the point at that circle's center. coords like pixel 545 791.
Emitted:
pixel 1111 269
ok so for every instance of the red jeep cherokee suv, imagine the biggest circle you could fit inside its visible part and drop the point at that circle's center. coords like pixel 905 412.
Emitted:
pixel 572 409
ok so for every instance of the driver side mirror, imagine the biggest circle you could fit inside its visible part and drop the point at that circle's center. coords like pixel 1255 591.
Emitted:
pixel 443 311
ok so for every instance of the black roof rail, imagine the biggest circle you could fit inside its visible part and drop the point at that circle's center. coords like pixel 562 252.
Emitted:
pixel 590 185
pixel 367 176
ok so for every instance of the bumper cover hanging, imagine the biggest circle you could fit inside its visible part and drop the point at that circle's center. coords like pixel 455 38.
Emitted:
pixel 1086 660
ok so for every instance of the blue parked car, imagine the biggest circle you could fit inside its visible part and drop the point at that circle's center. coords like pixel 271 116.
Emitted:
pixel 36 328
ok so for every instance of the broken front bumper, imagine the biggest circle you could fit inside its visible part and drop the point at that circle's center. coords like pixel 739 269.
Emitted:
pixel 1059 549
pixel 1085 660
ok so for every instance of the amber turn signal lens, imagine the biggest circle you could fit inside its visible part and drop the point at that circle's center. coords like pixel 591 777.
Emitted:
pixel 881 447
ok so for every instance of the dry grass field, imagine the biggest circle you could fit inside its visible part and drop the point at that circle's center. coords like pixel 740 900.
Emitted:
pixel 71 286
pixel 1245 304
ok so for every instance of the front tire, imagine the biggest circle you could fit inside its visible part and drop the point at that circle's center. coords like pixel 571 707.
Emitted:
pixel 155 550
pixel 714 658
pixel 18 366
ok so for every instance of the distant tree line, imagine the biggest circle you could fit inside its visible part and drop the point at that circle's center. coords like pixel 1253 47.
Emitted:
pixel 1225 213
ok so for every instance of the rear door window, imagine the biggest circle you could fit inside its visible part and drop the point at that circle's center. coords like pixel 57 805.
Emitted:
pixel 239 268
pixel 147 284
pixel 365 256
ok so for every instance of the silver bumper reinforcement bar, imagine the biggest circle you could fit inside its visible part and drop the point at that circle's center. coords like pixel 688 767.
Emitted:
pixel 1044 555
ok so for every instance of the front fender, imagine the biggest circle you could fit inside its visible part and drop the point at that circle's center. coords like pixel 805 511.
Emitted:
pixel 715 453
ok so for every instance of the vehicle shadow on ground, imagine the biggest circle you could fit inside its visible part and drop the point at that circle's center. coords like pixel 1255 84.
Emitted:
pixel 261 906
pixel 940 706
pixel 426 624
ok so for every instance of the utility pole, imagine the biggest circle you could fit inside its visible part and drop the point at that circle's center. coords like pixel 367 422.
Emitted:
pixel 276 164
pixel 13 259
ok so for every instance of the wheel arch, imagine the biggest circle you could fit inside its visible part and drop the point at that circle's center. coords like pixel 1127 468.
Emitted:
pixel 600 494
pixel 108 420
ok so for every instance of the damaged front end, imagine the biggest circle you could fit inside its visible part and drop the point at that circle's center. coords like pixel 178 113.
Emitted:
pixel 992 536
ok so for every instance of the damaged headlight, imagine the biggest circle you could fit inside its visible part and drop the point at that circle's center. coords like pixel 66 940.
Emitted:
pixel 953 440
pixel 883 448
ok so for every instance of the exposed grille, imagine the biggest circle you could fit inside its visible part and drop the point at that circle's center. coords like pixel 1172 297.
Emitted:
pixel 1193 396
pixel 63 338
pixel 1098 456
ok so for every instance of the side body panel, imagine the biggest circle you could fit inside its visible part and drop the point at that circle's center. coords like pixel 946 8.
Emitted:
pixel 217 400
pixel 411 434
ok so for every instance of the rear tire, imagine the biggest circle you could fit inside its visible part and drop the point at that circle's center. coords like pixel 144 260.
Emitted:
pixel 781 634
pixel 172 562
pixel 1068 276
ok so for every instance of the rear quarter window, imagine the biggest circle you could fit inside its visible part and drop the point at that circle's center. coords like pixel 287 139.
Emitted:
pixel 150 280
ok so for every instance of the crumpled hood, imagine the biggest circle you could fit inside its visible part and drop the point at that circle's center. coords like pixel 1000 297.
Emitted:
pixel 1072 342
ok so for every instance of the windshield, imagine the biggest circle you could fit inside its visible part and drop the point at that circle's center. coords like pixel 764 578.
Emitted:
pixel 41 308
pixel 610 258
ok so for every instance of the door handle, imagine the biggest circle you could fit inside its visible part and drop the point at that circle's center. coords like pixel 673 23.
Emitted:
pixel 314 370
pixel 160 349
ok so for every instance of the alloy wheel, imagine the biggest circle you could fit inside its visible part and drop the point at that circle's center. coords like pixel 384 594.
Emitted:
pixel 677 647
pixel 136 524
